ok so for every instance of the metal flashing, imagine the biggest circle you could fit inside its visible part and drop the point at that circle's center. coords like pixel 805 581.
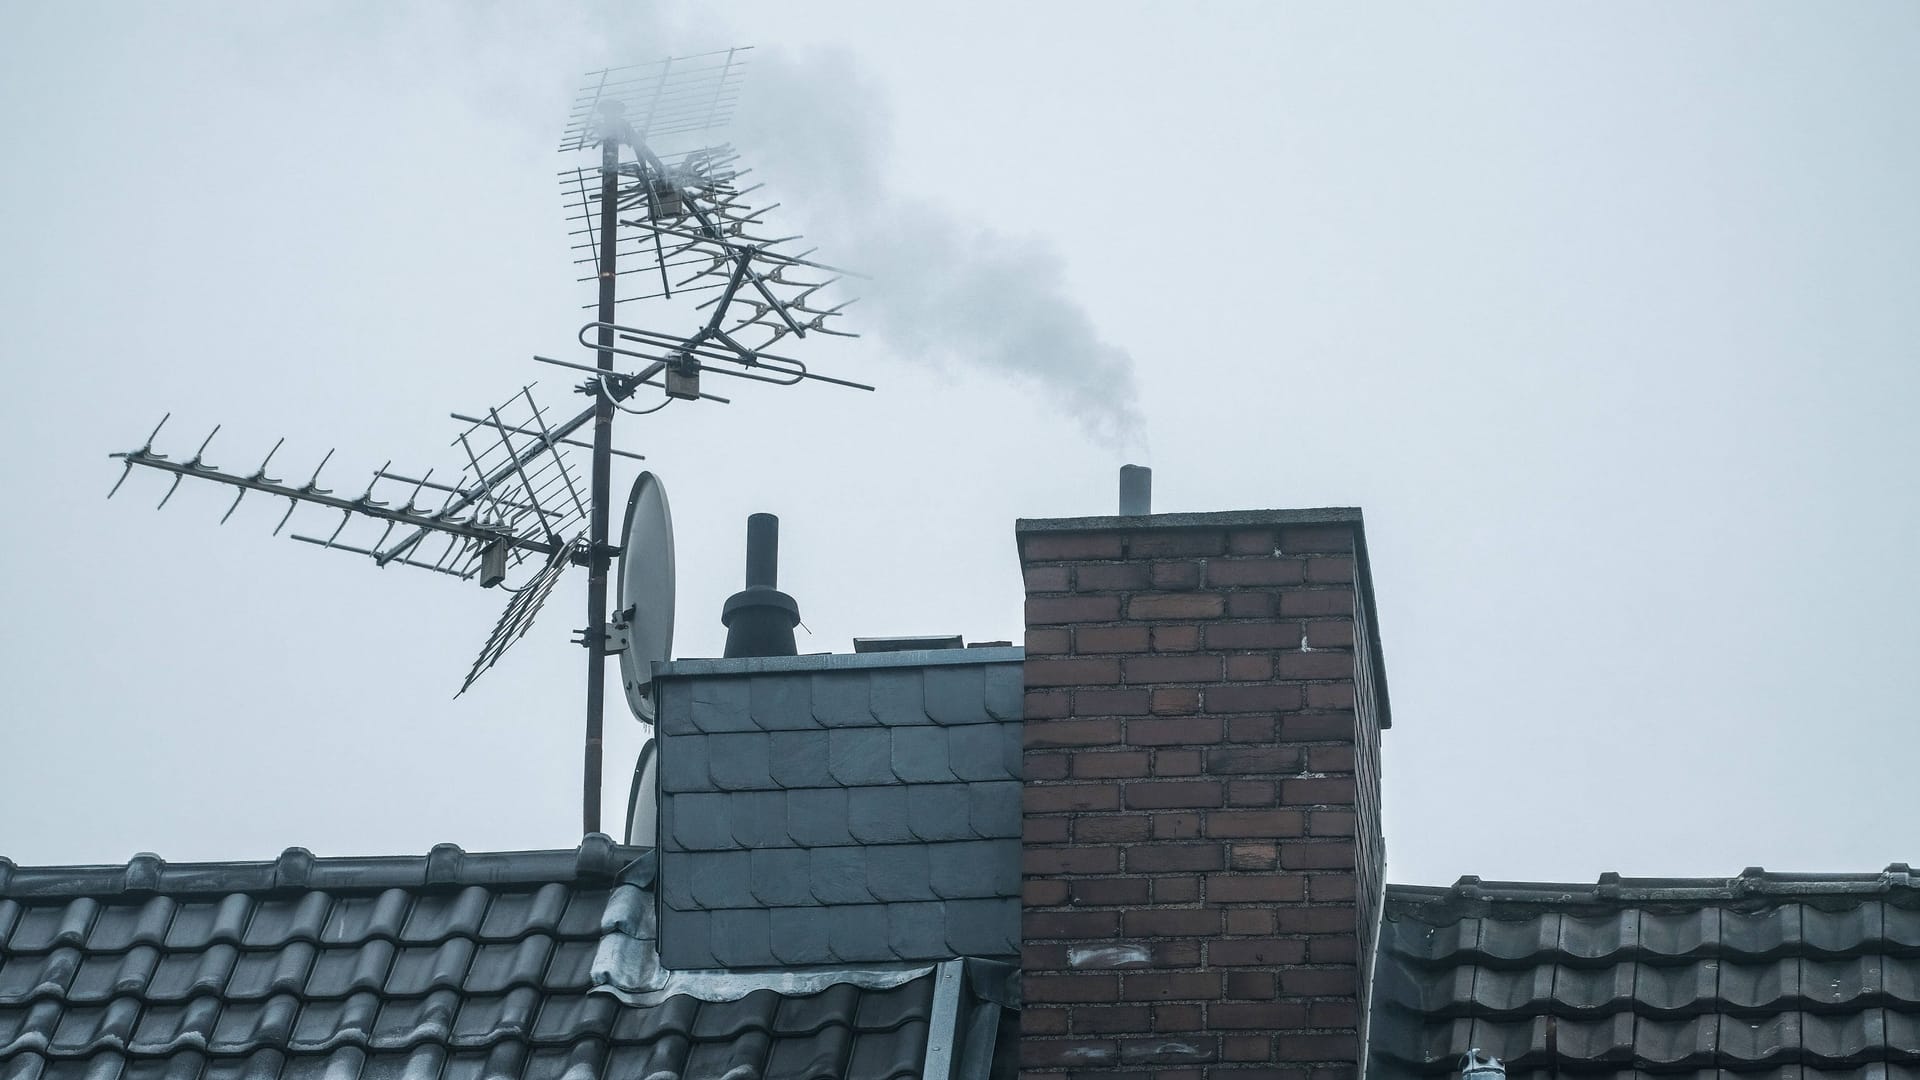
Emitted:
pixel 1218 519
pixel 912 658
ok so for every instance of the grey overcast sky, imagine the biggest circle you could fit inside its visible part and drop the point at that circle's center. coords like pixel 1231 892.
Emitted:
pixel 1604 313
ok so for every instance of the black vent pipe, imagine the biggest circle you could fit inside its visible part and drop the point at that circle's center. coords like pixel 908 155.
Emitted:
pixel 760 618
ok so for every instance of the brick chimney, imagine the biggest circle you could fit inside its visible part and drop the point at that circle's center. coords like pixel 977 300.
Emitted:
pixel 1201 849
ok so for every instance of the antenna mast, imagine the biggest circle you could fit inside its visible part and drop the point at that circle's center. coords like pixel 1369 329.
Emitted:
pixel 516 501
pixel 599 552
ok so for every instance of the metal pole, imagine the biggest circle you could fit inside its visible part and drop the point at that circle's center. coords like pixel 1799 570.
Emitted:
pixel 597 547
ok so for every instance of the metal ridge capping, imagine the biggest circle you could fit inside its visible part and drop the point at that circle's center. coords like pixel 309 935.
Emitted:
pixel 1612 887
pixel 597 859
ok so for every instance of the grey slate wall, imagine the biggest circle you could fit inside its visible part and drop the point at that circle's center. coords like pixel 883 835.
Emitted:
pixel 840 808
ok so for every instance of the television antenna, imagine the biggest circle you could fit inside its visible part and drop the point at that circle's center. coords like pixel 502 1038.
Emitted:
pixel 663 215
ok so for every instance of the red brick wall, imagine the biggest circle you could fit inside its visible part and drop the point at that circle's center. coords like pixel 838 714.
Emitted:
pixel 1200 755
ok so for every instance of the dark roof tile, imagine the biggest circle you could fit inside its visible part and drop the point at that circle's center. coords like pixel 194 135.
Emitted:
pixel 1901 925
pixel 244 1025
pixel 128 925
pixel 261 974
pixel 889 1058
pixel 437 918
pixel 1673 988
pixel 517 912
pixel 165 1029
pixel 26 976
pixel 42 929
pixel 501 965
pixel 1794 973
pixel 836 1006
pixel 824 1054
pixel 173 977
pixel 751 1014
pixel 672 1018
pixel 420 969
pixel 358 918
pixel 492 1017
pixel 325 1024
pixel 568 968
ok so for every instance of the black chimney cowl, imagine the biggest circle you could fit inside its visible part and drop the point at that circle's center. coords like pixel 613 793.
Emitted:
pixel 760 618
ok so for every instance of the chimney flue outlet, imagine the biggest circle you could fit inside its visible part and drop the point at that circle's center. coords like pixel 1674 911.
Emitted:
pixel 1136 491
pixel 760 618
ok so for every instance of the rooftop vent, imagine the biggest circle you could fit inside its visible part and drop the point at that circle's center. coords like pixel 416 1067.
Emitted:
pixel 760 618
pixel 1136 491
pixel 1477 1066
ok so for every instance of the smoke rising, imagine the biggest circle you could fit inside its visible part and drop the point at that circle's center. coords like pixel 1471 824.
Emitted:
pixel 944 291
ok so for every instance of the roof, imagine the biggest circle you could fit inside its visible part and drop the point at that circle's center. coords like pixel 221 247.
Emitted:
pixel 1785 974
pixel 451 964
pixel 843 808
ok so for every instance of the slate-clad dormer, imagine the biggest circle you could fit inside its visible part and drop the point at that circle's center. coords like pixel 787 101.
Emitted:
pixel 840 808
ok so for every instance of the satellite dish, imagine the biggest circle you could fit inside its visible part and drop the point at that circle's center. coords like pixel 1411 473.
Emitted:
pixel 643 801
pixel 646 591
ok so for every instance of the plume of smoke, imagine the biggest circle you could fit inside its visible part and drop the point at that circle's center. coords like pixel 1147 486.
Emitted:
pixel 943 290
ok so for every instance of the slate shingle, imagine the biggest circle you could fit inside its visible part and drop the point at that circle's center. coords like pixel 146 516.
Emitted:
pixel 920 755
pixel 860 757
pixel 938 813
pixel 719 705
pixel 816 817
pixel 872 752
pixel 897 696
pixel 956 694
pixel 878 815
